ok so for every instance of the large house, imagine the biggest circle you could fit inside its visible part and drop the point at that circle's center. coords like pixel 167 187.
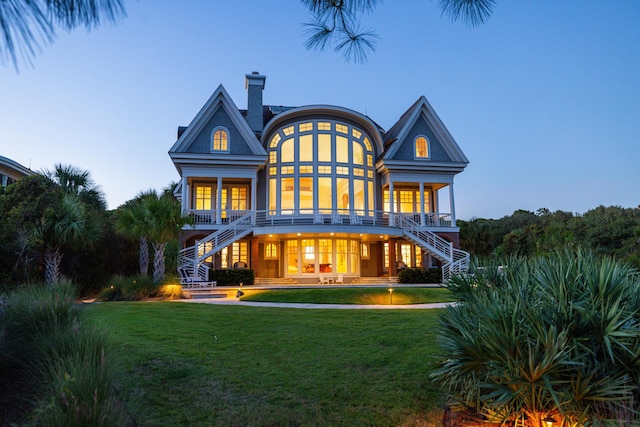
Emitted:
pixel 11 171
pixel 317 192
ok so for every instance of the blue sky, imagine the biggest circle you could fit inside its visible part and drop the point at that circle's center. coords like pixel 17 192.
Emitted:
pixel 544 99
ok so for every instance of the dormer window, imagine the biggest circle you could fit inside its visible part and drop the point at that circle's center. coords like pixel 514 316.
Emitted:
pixel 220 139
pixel 422 147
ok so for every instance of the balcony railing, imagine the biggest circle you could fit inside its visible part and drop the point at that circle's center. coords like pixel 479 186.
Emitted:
pixel 269 218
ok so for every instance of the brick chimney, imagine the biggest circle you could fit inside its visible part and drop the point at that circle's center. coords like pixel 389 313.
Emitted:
pixel 254 83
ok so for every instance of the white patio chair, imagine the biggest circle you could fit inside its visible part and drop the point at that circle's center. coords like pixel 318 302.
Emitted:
pixel 340 279
pixel 336 218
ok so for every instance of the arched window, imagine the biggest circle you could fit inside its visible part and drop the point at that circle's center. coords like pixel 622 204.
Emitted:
pixel 321 167
pixel 422 147
pixel 220 139
pixel 271 251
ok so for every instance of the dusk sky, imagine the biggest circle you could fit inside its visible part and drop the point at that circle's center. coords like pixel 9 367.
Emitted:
pixel 544 99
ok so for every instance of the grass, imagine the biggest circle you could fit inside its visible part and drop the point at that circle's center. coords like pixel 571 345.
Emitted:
pixel 198 364
pixel 370 296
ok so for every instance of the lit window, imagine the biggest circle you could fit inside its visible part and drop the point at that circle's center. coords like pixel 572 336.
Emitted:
pixel 306 169
pixel 286 151
pixel 287 170
pixel 273 171
pixel 271 251
pixel 274 141
pixel 342 170
pixel 356 133
pixel 306 148
pixel 358 172
pixel 422 148
pixel 358 155
pixel 288 130
pixel 324 169
pixel 369 160
pixel 273 157
pixel 203 197
pixel 342 128
pixel 364 251
pixel 367 144
pixel 306 127
pixel 220 140
pixel 324 125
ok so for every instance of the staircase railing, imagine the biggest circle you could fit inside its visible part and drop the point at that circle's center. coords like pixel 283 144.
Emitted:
pixel 190 260
pixel 455 261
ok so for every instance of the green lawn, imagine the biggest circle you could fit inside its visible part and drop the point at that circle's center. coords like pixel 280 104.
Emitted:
pixel 198 364
pixel 375 296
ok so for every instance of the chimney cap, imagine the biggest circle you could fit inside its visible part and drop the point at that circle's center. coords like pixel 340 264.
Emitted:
pixel 254 79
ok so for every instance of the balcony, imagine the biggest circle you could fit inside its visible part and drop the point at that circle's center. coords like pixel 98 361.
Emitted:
pixel 209 219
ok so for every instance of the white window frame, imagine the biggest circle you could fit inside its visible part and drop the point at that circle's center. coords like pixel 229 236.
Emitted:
pixel 213 132
pixel 415 148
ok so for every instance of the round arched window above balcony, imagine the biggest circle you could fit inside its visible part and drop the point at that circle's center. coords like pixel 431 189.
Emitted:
pixel 320 166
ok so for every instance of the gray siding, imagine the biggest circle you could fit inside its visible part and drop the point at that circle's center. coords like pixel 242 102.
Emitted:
pixel 406 149
pixel 202 142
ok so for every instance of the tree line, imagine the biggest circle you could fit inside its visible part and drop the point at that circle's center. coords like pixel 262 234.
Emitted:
pixel 607 230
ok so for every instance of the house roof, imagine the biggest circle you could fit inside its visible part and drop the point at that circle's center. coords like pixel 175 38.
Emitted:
pixel 219 99
pixel 421 110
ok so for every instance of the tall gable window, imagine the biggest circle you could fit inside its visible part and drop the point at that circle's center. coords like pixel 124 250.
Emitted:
pixel 422 147
pixel 220 139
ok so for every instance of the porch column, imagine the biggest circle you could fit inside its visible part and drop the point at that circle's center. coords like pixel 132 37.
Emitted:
pixel 452 206
pixel 392 221
pixel 255 260
pixel 254 197
pixel 422 221
pixel 219 201
pixel 393 266
pixel 185 195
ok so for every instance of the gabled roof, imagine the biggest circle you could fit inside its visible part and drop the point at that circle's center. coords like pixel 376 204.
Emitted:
pixel 421 110
pixel 219 99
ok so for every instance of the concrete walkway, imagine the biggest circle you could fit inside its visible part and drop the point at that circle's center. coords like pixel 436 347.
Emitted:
pixel 235 301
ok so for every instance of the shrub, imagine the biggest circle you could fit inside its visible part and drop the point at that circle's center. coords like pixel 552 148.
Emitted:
pixel 233 277
pixel 419 275
pixel 170 291
pixel 55 356
pixel 76 381
pixel 552 336
pixel 133 288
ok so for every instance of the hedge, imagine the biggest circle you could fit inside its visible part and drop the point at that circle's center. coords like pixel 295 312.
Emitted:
pixel 233 277
pixel 418 275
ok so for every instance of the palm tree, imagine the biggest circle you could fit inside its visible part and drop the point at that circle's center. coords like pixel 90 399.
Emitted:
pixel 131 222
pixel 66 224
pixel 553 336
pixel 25 25
pixel 76 181
pixel 162 221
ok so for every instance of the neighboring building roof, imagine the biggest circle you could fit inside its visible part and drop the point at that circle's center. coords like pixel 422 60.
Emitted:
pixel 13 170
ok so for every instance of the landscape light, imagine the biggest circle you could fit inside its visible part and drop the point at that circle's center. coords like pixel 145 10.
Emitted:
pixel 391 296
pixel 549 420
